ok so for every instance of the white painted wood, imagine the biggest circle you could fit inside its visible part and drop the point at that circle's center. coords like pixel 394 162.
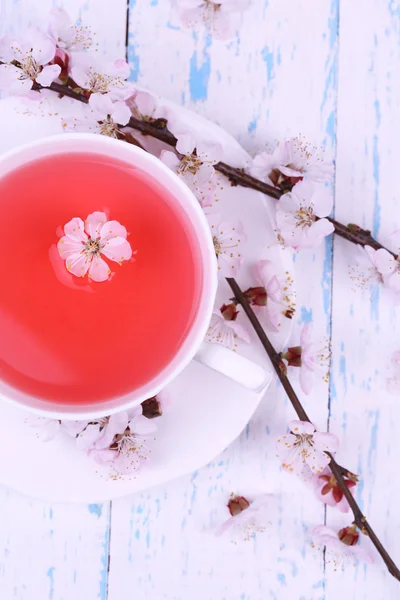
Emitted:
pixel 57 552
pixel 365 332
pixel 278 77
pixel 162 541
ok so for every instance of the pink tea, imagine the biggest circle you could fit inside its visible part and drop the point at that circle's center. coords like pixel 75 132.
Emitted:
pixel 69 339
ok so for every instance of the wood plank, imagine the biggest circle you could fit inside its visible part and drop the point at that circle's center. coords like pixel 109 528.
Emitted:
pixel 271 81
pixel 365 332
pixel 58 552
pixel 52 552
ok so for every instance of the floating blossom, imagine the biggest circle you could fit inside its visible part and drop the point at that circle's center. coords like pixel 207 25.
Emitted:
pixel 300 213
pixel 195 165
pixel 29 62
pixel 101 78
pixel 104 117
pixel 343 546
pixel 248 518
pixel 223 328
pixel 306 448
pixel 69 36
pixel 227 237
pixel 291 162
pixel 219 16
pixel 84 243
pixel 328 491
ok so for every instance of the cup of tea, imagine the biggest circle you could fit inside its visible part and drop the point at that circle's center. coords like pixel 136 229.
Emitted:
pixel 109 278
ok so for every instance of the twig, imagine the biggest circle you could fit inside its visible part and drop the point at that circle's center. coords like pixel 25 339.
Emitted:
pixel 338 471
pixel 158 129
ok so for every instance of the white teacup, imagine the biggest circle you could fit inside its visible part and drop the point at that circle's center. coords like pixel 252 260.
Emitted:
pixel 221 359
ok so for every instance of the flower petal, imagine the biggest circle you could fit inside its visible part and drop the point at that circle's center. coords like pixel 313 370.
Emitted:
pixel 99 269
pixel 170 159
pixel 101 104
pixel 79 77
pixel 112 229
pixel 316 459
pixel 78 264
pixel 307 379
pixel 42 46
pixel 10 80
pixel 48 74
pixel 67 246
pixel 326 441
pixel 120 113
pixel 145 103
pixel 140 425
pixel 87 438
pixel 94 223
pixel 185 143
pixel 75 229
pixel 121 68
pixel 301 427
pixel 384 261
pixel 117 249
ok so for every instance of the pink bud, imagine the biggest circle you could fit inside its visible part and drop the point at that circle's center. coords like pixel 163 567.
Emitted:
pixel 293 356
pixel 237 504
pixel 229 312
pixel 349 535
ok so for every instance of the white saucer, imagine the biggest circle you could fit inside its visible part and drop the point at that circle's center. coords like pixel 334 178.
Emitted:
pixel 207 411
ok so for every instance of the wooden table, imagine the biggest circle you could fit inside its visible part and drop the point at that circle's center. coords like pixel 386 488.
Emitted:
pixel 329 70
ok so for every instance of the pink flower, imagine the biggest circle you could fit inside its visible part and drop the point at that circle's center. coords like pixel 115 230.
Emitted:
pixel 227 237
pixel 328 491
pixel 248 521
pixel 32 56
pixel 224 330
pixel 306 448
pixel 267 298
pixel 105 117
pixel 290 162
pixel 313 360
pixel 195 165
pixel 118 440
pixel 66 35
pixel 300 213
pixel 217 16
pixel 342 546
pixel 366 270
pixel 101 77
pixel 84 243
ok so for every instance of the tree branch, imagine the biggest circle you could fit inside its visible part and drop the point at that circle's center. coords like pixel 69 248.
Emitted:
pixel 338 471
pixel 158 129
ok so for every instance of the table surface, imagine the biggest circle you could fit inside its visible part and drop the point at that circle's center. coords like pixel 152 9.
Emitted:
pixel 329 69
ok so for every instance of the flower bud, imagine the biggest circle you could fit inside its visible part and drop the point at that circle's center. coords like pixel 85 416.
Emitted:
pixel 237 504
pixel 229 312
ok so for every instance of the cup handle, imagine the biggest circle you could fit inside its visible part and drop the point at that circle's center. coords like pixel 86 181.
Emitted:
pixel 238 368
